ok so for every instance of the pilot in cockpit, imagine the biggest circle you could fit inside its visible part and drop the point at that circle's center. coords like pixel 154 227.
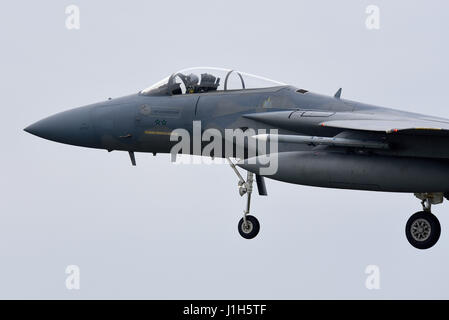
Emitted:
pixel 191 82
pixel 208 83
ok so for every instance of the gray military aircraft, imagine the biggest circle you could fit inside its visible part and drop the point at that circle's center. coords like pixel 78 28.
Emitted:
pixel 323 141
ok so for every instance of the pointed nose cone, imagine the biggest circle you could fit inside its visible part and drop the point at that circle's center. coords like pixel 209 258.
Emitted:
pixel 71 127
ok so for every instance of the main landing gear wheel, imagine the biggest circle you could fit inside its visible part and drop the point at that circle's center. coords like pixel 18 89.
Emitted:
pixel 423 230
pixel 250 228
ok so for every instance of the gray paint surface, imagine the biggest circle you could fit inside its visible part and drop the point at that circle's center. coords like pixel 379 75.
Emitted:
pixel 389 149
pixel 120 224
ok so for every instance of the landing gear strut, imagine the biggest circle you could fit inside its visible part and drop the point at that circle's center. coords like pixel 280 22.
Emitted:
pixel 248 226
pixel 423 228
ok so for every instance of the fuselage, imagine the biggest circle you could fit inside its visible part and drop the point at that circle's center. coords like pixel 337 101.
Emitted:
pixel 143 123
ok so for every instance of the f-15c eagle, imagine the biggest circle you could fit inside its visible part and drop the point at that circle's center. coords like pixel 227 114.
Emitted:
pixel 314 139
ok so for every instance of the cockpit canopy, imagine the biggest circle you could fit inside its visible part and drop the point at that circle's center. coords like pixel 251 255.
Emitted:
pixel 207 79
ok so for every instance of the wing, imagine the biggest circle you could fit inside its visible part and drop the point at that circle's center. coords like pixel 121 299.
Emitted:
pixel 361 122
pixel 393 134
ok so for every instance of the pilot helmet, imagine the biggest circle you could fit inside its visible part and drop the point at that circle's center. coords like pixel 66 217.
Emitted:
pixel 193 79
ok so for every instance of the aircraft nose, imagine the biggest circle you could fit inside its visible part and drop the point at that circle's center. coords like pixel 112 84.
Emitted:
pixel 71 127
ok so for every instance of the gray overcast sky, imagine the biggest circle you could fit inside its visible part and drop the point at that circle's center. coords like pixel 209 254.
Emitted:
pixel 164 231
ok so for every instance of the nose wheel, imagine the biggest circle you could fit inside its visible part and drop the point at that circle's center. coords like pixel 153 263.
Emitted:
pixel 423 228
pixel 248 226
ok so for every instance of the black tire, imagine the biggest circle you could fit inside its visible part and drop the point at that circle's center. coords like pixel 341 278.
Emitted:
pixel 251 230
pixel 423 230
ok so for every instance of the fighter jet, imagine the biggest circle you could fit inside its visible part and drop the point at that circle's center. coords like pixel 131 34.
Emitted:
pixel 313 139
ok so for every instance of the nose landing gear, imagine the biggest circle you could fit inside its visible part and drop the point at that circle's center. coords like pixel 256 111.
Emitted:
pixel 248 226
pixel 423 228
